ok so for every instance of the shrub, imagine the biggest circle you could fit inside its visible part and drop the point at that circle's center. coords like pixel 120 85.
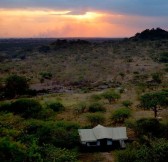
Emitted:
pixel 60 134
pixel 46 75
pixel 111 96
pixel 95 97
pixel 56 106
pixel 11 151
pixel 127 103
pixel 121 114
pixel 52 153
pixel 96 118
pixel 26 107
pixel 127 155
pixel 15 86
pixel 81 107
pixel 96 107
pixel 163 57
pixel 157 152
pixel 5 106
pixel 148 126
pixel 157 77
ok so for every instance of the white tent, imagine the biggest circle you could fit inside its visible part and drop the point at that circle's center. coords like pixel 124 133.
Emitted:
pixel 100 132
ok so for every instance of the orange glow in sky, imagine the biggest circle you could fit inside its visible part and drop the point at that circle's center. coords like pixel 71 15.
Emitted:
pixel 49 23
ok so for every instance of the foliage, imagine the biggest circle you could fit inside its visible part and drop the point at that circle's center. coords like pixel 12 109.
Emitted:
pixel 52 153
pixel 152 100
pixel 81 107
pixel 15 86
pixel 121 114
pixel 96 107
pixel 11 151
pixel 148 126
pixel 111 96
pixel 5 106
pixel 157 152
pixel 60 134
pixel 27 108
pixel 46 75
pixel 56 106
pixel 157 77
pixel 96 118
pixel 127 103
pixel 95 97
pixel 163 57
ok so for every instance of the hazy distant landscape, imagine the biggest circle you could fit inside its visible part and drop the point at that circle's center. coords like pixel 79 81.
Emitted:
pixel 49 88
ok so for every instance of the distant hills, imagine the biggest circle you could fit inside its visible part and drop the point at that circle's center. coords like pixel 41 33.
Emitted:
pixel 153 34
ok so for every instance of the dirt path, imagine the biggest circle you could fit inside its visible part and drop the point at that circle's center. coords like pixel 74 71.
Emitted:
pixel 108 157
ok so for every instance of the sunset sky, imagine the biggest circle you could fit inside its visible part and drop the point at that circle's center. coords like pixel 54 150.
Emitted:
pixel 80 18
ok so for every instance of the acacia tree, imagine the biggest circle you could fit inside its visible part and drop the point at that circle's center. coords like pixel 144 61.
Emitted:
pixel 154 100
pixel 120 115
pixel 111 96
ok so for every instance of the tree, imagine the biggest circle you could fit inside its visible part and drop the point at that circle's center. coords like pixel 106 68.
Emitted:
pixel 121 114
pixel 148 126
pixel 111 96
pixel 26 107
pixel 153 100
pixel 15 86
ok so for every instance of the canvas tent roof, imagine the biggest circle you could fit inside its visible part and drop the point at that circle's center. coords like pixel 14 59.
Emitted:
pixel 101 132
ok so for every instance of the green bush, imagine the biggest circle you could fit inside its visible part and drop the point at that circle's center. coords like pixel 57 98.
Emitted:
pixel 127 103
pixel 15 86
pixel 11 151
pixel 60 134
pixel 5 106
pixel 81 107
pixel 156 152
pixel 148 126
pixel 46 75
pixel 95 97
pixel 121 114
pixel 163 57
pixel 128 155
pixel 96 118
pixel 51 153
pixel 28 108
pixel 96 107
pixel 111 96
pixel 56 106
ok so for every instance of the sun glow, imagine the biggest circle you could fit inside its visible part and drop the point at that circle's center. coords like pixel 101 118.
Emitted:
pixel 65 23
pixel 86 16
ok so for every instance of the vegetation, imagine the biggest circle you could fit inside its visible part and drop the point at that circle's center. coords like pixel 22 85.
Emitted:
pixel 120 115
pixel 15 86
pixel 96 107
pixel 56 106
pixel 27 108
pixel 157 152
pixel 96 118
pixel 111 96
pixel 153 100
pixel 127 103
pixel 75 84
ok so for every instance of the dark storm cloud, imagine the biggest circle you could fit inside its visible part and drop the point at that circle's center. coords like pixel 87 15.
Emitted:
pixel 132 7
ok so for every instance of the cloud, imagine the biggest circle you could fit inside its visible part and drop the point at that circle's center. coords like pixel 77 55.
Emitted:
pixel 135 7
pixel 80 18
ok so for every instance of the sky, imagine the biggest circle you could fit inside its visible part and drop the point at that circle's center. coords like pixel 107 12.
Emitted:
pixel 80 18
